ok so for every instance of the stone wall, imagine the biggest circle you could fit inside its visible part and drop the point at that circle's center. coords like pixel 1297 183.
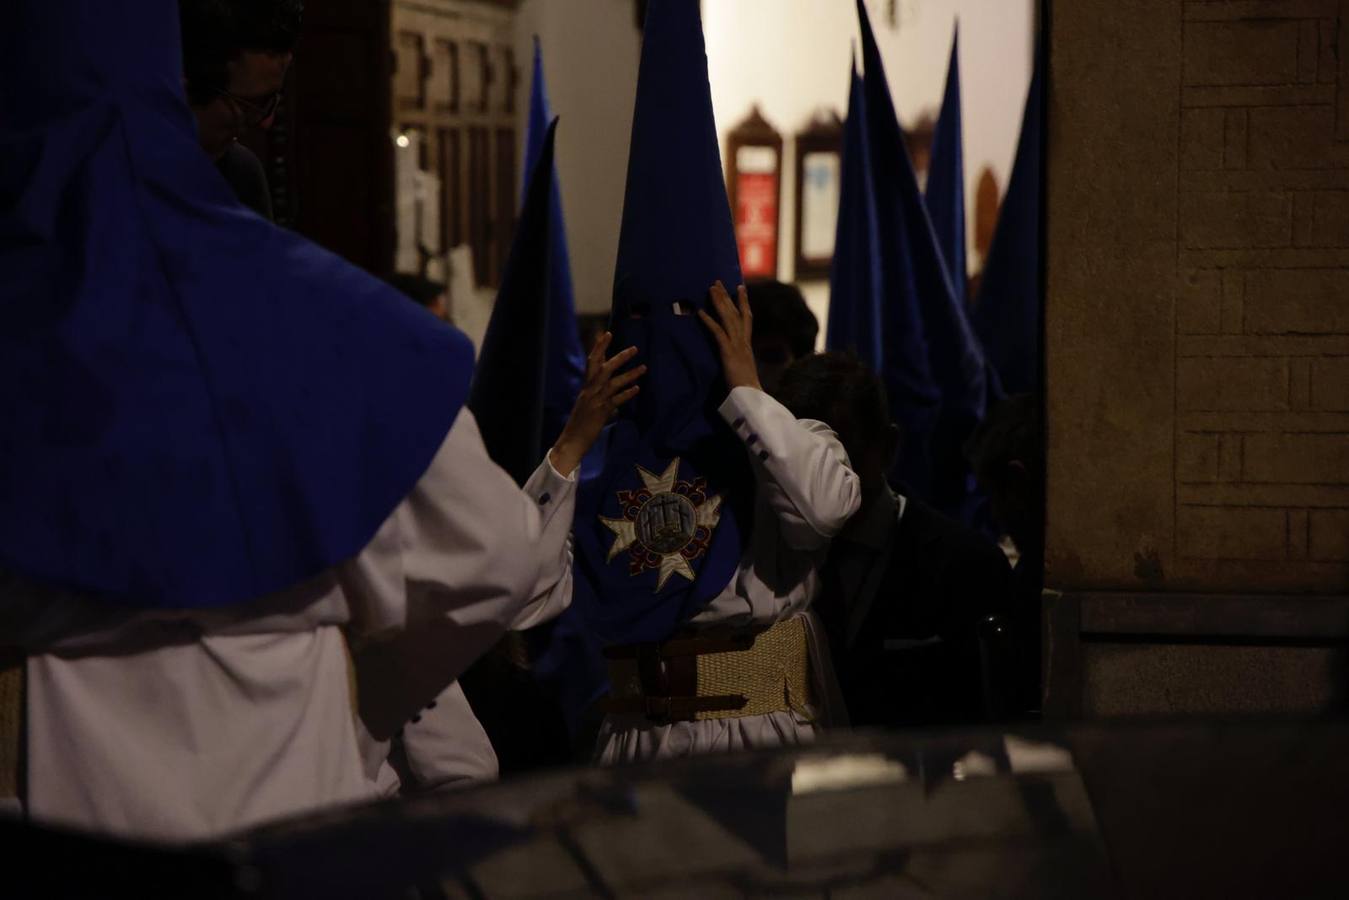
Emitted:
pixel 1197 330
pixel 1198 295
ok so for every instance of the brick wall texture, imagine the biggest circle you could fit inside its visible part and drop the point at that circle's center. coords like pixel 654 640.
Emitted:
pixel 1197 324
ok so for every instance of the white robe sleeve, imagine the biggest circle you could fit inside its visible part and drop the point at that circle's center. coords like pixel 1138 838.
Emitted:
pixel 801 468
pixel 445 745
pixel 555 496
pixel 461 552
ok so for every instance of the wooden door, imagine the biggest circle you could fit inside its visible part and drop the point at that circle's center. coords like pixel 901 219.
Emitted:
pixel 331 163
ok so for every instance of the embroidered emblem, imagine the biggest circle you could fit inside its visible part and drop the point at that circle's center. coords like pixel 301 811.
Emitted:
pixel 666 524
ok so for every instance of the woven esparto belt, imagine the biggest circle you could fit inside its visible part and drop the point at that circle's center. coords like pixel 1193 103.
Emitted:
pixel 714 676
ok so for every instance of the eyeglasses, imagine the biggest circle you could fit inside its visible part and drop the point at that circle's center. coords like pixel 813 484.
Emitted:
pixel 254 113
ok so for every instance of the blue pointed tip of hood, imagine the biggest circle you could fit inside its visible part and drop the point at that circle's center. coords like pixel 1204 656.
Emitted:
pixel 676 236
pixel 508 395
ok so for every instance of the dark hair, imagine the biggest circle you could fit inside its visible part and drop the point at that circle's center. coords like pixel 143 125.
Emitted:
pixel 217 31
pixel 422 290
pixel 780 310
pixel 841 391
pixel 1010 431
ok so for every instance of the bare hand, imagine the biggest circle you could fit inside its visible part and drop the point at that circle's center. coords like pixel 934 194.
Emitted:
pixel 601 395
pixel 733 329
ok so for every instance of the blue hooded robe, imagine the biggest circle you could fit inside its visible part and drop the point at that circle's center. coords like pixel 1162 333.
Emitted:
pixel 196 407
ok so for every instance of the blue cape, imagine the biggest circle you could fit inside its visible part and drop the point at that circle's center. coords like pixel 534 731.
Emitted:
pixel 196 408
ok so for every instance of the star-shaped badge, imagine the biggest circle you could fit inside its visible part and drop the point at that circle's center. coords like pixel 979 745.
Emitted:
pixel 666 524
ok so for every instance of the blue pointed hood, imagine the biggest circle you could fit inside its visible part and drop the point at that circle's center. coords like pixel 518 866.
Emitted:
pixel 917 278
pixel 856 283
pixel 509 384
pixel 660 528
pixel 196 408
pixel 1008 308
pixel 945 191
pixel 564 360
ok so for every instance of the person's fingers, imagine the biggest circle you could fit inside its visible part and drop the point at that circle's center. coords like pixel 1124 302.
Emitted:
pixel 746 317
pixel 616 362
pixel 601 344
pixel 717 331
pixel 623 397
pixel 596 356
pixel 626 378
pixel 730 319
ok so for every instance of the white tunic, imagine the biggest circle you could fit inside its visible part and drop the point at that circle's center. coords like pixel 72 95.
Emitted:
pixel 444 745
pixel 805 493
pixel 183 725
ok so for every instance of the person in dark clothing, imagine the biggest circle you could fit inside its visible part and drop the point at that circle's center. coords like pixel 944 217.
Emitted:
pixel 1006 454
pixel 905 588
pixel 235 57
pixel 784 328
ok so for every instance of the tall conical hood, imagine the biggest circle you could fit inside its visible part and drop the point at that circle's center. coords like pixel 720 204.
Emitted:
pixel 676 236
pixel 1007 311
pixel 564 361
pixel 660 528
pixel 509 382
pixel 945 191
pixel 196 408
pixel 916 277
pixel 857 294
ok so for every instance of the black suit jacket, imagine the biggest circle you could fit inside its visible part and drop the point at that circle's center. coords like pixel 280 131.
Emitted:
pixel 915 659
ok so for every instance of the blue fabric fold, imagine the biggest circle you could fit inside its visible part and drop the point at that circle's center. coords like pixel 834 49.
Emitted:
pixel 944 194
pixel 508 396
pixel 939 412
pixel 856 280
pixel 564 362
pixel 1008 308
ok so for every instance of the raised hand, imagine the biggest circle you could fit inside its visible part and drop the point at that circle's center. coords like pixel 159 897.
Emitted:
pixel 602 393
pixel 733 327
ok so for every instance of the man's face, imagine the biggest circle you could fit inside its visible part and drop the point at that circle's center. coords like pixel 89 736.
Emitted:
pixel 255 81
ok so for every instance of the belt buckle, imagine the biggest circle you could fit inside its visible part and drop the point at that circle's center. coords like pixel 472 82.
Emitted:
pixel 653 670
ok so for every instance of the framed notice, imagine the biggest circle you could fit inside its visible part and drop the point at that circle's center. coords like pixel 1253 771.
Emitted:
pixel 819 173
pixel 754 170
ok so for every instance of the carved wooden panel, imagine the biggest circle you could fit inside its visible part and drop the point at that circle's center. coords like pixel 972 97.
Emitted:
pixel 460 100
pixel 410 76
pixel 444 86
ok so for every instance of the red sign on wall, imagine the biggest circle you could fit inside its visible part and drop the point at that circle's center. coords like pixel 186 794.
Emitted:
pixel 754 164
pixel 756 210
pixel 756 223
